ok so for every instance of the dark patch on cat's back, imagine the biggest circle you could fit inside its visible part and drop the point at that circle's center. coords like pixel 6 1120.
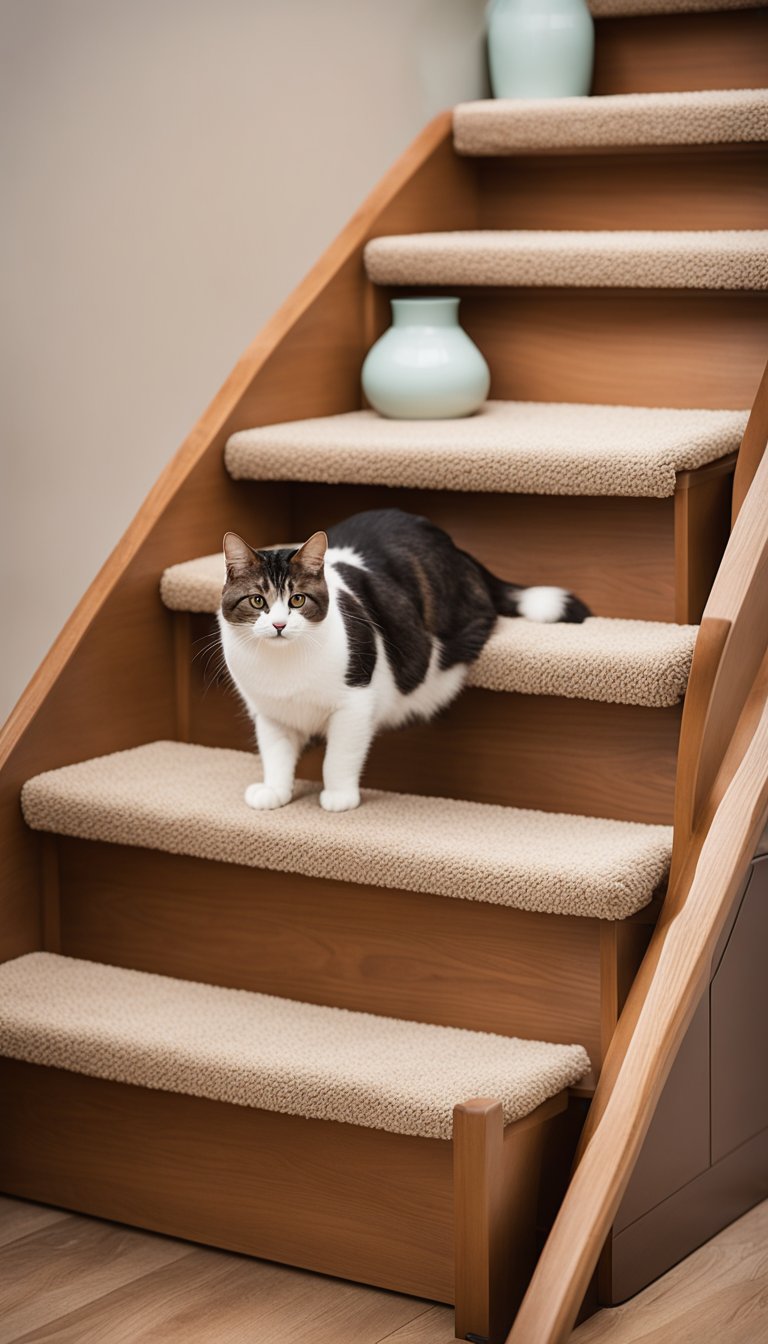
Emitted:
pixel 396 616
pixel 361 640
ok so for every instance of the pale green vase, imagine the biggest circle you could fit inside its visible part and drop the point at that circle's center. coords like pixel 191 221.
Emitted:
pixel 425 367
pixel 540 48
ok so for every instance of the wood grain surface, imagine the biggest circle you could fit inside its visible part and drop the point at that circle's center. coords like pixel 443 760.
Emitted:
pixel 258 1182
pixel 66 1264
pixel 717 1293
pixel 626 347
pixel 370 949
pixel 616 553
pixel 699 187
pixel 94 1290
pixel 673 52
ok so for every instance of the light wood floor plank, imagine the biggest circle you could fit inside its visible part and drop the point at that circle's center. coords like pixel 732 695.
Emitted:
pixel 209 1295
pixel 433 1326
pixel 19 1219
pixel 72 1261
pixel 70 1280
pixel 720 1293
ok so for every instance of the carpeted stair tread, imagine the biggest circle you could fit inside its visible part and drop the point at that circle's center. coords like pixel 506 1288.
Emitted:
pixel 522 125
pixel 615 661
pixel 257 1050
pixel 187 799
pixel 603 9
pixel 509 447
pixel 717 259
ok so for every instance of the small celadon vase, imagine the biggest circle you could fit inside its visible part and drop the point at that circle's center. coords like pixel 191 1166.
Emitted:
pixel 540 48
pixel 425 367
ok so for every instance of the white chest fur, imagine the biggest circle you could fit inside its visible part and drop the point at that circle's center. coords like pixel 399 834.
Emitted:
pixel 296 689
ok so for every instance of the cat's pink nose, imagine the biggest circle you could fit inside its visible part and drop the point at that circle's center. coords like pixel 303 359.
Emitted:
pixel 279 625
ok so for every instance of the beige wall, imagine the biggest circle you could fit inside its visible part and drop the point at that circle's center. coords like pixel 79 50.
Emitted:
pixel 170 168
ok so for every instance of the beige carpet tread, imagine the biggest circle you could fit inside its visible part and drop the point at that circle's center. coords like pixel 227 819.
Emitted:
pixel 521 125
pixel 187 799
pixel 624 8
pixel 720 259
pixel 509 447
pixel 256 1050
pixel 616 661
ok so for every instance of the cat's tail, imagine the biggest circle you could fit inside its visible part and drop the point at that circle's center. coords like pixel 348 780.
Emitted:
pixel 535 604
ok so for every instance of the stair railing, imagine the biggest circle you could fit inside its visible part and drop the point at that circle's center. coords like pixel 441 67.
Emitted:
pixel 721 807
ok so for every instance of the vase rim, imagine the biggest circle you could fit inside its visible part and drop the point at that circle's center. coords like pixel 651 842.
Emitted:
pixel 425 298
pixel 441 311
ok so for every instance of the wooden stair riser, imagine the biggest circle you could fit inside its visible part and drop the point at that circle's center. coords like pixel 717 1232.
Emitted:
pixel 612 346
pixel 623 556
pixel 284 1188
pixel 543 752
pixel 668 53
pixel 369 949
pixel 700 187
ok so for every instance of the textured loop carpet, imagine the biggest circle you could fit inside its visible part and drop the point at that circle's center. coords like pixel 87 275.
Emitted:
pixel 624 8
pixel 188 799
pixel 518 125
pixel 720 259
pixel 257 1050
pixel 509 447
pixel 621 662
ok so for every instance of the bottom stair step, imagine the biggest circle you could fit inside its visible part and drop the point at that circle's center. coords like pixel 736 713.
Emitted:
pixel 257 1050
pixel 118 1092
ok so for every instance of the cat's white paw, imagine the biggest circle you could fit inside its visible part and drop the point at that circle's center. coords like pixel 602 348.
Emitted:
pixel 264 798
pixel 339 800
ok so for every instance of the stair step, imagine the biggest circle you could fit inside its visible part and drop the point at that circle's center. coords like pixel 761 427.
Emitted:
pixel 508 447
pixel 274 1054
pixel 717 259
pixel 187 799
pixel 626 8
pixel 614 661
pixel 522 125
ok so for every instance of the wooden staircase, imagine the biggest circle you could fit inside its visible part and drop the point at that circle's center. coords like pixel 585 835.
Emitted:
pixel 515 859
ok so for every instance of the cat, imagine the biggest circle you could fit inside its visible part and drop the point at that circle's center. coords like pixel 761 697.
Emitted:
pixel 366 628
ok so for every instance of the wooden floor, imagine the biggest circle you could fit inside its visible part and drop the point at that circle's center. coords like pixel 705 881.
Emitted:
pixel 69 1279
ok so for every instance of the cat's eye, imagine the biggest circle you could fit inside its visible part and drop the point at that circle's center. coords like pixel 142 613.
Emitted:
pixel 297 600
pixel 257 602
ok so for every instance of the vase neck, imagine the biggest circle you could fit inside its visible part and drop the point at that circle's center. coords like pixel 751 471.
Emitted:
pixel 425 312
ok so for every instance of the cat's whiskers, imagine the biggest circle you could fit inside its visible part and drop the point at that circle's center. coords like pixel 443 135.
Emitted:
pixel 389 581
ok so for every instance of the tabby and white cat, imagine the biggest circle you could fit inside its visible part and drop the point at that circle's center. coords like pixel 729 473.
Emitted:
pixel 365 628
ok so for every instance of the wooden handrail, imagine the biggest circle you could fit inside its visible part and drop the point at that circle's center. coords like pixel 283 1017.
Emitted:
pixel 752 448
pixel 720 809
pixel 681 969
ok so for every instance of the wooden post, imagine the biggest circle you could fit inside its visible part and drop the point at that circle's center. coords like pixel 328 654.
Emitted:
pixel 478 1143
pixel 496 1189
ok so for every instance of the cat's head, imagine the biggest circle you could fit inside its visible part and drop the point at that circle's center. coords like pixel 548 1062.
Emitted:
pixel 275 594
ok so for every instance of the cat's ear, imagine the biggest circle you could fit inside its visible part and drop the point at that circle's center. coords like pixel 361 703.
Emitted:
pixel 237 553
pixel 312 553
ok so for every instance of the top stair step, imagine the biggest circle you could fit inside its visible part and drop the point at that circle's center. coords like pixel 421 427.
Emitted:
pixel 498 126
pixel 604 9
pixel 644 259
pixel 274 1054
